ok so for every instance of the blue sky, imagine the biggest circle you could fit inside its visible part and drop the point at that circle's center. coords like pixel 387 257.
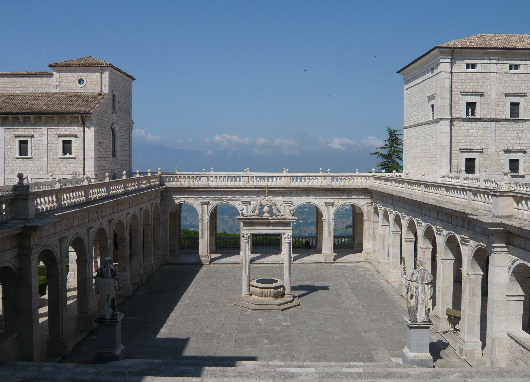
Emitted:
pixel 260 84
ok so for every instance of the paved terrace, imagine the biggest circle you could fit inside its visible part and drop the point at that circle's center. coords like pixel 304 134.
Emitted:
pixel 348 313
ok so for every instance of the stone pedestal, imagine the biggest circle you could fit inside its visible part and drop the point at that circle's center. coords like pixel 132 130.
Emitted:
pixel 416 352
pixel 109 340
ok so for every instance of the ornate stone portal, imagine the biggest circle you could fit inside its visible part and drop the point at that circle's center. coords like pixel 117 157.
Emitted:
pixel 266 293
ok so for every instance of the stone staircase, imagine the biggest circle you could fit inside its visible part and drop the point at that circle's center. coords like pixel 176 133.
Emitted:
pixel 218 370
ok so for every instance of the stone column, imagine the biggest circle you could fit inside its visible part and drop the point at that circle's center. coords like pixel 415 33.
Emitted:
pixel 213 230
pixel 439 232
pixel 408 254
pixel 367 233
pixel 148 263
pixel 498 313
pixel 204 235
pixel 357 229
pixel 28 304
pixel 287 241
pixel 136 273
pixel 71 281
pixel 327 233
pixel 395 267
pixel 319 230
pixel 444 290
pixel 469 344
pixel 245 244
pixel 165 252
pixel 384 230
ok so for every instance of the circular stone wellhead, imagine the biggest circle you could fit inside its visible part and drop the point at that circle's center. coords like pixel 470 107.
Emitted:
pixel 267 288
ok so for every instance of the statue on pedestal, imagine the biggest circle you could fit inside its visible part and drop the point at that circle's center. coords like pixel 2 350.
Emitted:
pixel 419 291
pixel 107 282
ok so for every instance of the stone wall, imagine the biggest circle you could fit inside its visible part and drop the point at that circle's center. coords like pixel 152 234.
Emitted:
pixel 491 136
pixel 26 83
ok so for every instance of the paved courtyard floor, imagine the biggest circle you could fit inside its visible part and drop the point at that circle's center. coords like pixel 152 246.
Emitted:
pixel 348 313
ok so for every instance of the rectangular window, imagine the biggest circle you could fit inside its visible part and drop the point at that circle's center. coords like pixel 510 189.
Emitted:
pixel 67 148
pixel 23 147
pixel 471 109
pixel 432 111
pixel 471 66
pixel 113 103
pixel 514 109
pixel 470 164
pixel 513 166
pixel 113 141
pixel 513 67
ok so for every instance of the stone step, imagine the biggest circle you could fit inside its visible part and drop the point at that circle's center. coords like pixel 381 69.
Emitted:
pixel 216 370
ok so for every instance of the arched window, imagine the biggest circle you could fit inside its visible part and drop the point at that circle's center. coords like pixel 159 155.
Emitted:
pixel 113 132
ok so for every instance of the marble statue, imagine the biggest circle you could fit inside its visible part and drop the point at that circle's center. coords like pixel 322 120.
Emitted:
pixel 106 283
pixel 419 291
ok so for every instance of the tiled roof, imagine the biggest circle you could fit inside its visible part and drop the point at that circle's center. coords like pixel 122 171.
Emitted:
pixel 491 41
pixel 87 61
pixel 482 41
pixel 49 103
pixel 26 73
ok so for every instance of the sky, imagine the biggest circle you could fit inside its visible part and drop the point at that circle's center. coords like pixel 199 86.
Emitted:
pixel 264 85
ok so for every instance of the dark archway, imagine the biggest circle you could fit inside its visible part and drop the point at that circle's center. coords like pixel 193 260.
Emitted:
pixel 224 232
pixel 9 315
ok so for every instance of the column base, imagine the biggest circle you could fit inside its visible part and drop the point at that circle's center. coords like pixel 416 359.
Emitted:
pixel 469 349
pixel 205 259
pixel 56 347
pixel 109 338
pixel 328 257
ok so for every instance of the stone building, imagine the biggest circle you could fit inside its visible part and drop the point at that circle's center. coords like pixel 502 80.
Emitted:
pixel 466 107
pixel 74 121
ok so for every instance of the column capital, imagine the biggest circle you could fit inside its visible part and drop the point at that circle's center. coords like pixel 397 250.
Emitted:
pixel 438 230
pixel 205 202
pixel 464 240
pixel 329 204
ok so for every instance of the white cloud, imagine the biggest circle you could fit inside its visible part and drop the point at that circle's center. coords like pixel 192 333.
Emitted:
pixel 220 143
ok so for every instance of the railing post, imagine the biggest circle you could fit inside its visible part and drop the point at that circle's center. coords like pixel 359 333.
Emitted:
pixel 23 202
pixel 502 201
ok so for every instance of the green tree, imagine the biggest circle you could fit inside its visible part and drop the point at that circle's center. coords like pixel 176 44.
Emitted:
pixel 391 153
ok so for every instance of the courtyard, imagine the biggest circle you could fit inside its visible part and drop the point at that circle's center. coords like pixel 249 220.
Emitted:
pixel 348 313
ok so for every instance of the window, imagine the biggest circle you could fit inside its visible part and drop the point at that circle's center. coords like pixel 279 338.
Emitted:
pixel 471 66
pixel 471 109
pixel 514 109
pixel 113 141
pixel 513 67
pixel 470 165
pixel 113 103
pixel 67 147
pixel 432 111
pixel 513 166
pixel 23 148
pixel 81 82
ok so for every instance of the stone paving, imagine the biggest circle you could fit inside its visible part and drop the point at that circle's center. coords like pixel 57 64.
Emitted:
pixel 348 313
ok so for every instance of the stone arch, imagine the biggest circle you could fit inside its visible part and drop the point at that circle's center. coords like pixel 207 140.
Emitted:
pixel 81 281
pixel 179 244
pixel 396 249
pixel 9 312
pixel 430 257
pixel 100 246
pixel 518 297
pixel 410 245
pixel 452 278
pixel 307 241
pixel 228 242
pixel 356 223
pixel 52 328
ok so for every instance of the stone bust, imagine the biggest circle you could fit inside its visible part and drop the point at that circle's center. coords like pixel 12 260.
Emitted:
pixel 106 283
pixel 419 292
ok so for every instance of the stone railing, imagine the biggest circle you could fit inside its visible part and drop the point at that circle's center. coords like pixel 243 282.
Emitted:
pixel 263 179
pixel 62 197
pixel 23 202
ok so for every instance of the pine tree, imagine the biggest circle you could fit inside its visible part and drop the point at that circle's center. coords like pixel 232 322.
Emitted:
pixel 391 153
